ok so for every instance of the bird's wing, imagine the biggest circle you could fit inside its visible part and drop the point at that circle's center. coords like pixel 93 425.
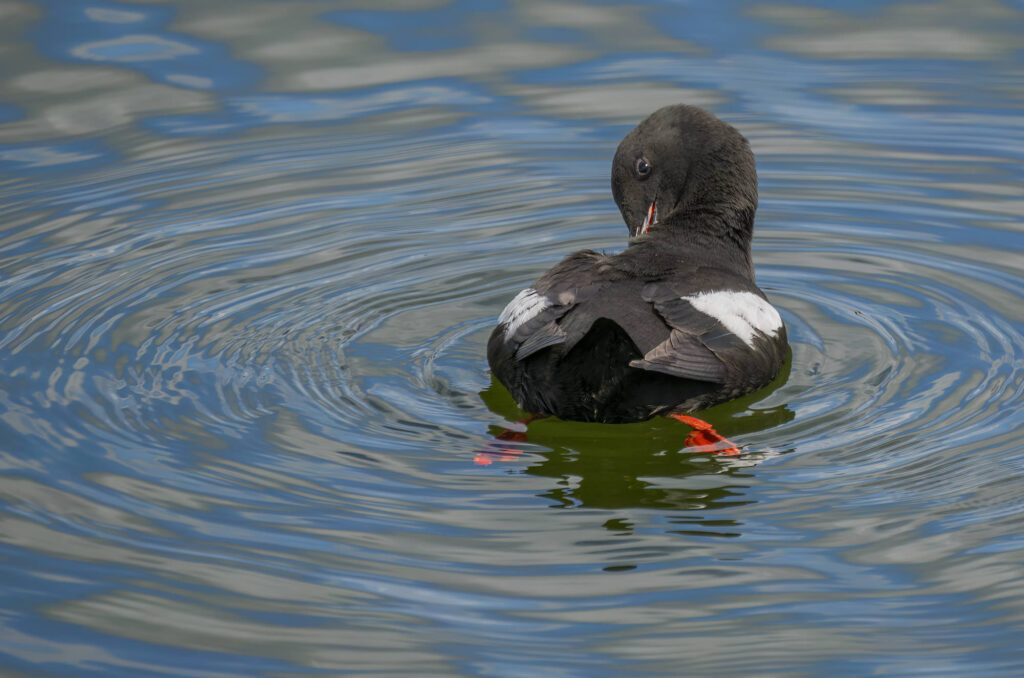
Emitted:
pixel 707 327
pixel 536 317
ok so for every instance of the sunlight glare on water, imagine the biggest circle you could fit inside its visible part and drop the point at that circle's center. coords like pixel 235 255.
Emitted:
pixel 250 255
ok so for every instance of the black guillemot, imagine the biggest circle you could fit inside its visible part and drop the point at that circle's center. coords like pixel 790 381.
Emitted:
pixel 675 322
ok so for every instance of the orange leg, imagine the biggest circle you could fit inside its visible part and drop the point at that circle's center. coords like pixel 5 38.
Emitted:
pixel 491 453
pixel 704 438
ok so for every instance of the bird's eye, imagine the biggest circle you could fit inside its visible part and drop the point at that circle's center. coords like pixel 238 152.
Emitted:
pixel 643 168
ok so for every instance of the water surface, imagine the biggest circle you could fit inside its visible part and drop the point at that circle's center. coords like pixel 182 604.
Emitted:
pixel 251 254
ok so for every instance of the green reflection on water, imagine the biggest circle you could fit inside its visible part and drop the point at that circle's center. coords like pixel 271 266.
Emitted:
pixel 643 465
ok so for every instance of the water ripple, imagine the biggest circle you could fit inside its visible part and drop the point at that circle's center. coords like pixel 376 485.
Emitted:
pixel 245 413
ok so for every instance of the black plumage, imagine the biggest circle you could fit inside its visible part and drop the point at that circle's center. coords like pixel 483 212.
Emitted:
pixel 675 322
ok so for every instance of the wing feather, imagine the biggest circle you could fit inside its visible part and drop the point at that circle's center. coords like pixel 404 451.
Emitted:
pixel 537 317
pixel 690 352
pixel 548 335
pixel 683 355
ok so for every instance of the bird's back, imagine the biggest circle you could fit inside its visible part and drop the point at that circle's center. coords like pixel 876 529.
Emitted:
pixel 569 346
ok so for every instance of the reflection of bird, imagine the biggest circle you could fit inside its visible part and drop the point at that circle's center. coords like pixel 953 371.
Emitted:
pixel 675 322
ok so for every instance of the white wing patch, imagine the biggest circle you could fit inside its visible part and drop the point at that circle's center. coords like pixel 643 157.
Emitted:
pixel 522 308
pixel 742 313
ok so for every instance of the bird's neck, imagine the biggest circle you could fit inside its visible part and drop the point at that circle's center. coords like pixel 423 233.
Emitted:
pixel 719 237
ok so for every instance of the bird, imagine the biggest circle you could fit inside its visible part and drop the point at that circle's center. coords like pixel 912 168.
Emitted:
pixel 672 324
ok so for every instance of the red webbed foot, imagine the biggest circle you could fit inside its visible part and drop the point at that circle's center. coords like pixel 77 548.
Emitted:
pixel 704 437
pixel 494 452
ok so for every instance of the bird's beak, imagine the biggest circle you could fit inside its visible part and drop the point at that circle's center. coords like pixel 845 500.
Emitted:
pixel 652 218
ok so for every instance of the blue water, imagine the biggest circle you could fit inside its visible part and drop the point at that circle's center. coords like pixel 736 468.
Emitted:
pixel 250 254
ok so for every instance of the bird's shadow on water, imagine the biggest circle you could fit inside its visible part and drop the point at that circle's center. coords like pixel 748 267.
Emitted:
pixel 644 465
